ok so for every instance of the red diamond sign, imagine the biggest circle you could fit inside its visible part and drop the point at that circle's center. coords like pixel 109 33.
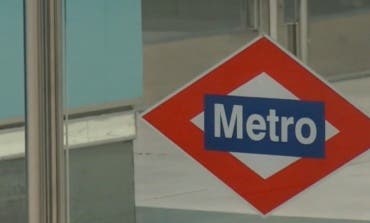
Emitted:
pixel 264 124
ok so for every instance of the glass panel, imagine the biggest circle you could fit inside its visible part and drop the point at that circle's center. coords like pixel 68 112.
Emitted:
pixel 339 37
pixel 183 39
pixel 104 79
pixel 13 197
pixel 104 47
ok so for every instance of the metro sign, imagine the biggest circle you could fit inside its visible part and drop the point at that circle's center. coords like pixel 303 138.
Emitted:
pixel 264 124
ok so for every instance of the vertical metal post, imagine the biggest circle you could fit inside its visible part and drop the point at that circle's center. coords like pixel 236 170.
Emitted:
pixel 274 18
pixel 44 126
pixel 264 16
pixel 292 38
pixel 303 11
pixel 291 21
pixel 251 12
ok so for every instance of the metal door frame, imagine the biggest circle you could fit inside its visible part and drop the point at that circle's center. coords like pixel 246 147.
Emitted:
pixel 46 177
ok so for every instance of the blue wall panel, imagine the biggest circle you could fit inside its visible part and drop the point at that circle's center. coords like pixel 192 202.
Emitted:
pixel 104 62
pixel 104 53
pixel 11 59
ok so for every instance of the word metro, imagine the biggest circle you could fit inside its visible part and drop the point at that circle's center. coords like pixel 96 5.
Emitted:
pixel 264 126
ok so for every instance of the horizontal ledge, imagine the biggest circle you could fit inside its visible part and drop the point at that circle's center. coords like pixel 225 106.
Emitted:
pixel 82 132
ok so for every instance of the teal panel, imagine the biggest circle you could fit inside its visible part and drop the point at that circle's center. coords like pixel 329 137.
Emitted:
pixel 11 59
pixel 104 53
pixel 104 62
